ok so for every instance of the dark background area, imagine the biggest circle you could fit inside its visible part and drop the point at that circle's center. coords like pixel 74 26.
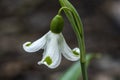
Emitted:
pixel 28 20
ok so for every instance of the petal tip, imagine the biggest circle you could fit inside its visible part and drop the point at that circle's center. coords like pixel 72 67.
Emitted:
pixel 76 51
pixel 26 45
pixel 40 62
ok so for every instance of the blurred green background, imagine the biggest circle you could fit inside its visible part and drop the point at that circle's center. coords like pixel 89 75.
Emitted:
pixel 28 20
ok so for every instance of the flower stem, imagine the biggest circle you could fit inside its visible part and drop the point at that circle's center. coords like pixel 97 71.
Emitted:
pixel 84 71
pixel 63 8
pixel 81 44
pixel 77 25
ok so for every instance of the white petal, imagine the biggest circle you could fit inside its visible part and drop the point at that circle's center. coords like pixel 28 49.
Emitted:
pixel 67 52
pixel 36 45
pixel 52 51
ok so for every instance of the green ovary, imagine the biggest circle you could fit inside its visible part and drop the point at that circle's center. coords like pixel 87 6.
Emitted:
pixel 57 24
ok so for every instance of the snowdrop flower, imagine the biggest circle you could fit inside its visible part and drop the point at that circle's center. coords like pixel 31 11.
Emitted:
pixel 54 45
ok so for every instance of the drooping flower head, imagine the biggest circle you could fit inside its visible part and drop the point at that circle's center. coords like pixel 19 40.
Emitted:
pixel 54 45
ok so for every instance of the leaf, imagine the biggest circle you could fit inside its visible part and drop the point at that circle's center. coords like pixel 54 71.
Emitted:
pixel 74 72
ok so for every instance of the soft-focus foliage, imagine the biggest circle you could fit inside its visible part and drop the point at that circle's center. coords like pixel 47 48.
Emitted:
pixel 74 72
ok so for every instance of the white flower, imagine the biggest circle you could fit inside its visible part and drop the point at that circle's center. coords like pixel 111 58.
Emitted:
pixel 53 45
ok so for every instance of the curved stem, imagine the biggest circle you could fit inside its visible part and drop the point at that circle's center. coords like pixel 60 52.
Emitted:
pixel 63 8
pixel 77 25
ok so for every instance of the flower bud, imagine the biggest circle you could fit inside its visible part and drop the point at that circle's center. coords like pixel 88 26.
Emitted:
pixel 57 24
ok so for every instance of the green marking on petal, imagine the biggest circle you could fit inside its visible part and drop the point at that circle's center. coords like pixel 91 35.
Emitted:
pixel 48 60
pixel 75 53
pixel 28 44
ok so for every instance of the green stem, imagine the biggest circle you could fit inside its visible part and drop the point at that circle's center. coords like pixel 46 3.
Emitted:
pixel 77 25
pixel 63 8
pixel 84 71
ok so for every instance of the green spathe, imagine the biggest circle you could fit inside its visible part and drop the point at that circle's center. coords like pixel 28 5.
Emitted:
pixel 57 24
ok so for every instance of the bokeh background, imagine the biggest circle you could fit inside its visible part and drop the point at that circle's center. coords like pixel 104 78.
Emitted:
pixel 28 20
